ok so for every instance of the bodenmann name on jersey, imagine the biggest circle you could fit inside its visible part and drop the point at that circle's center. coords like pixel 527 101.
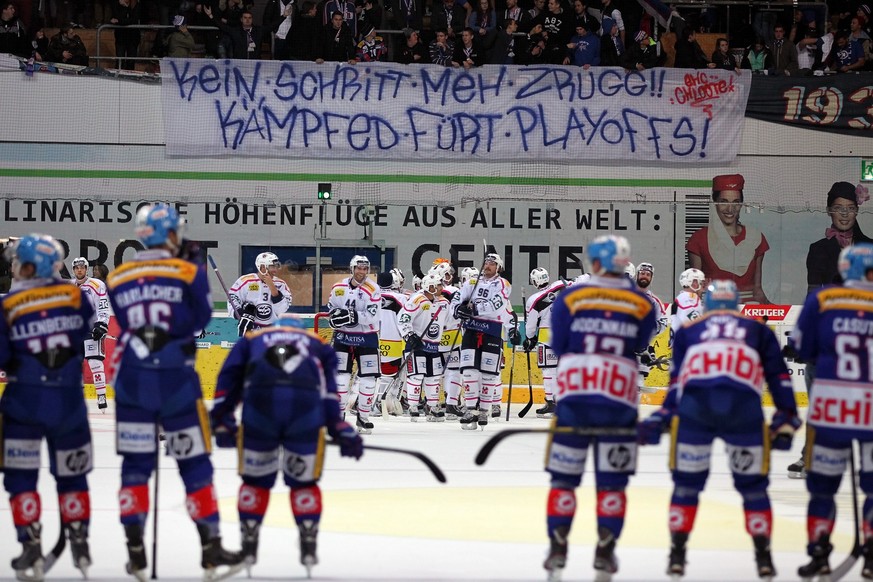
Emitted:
pixel 149 293
pixel 604 326
pixel 735 361
pixel 598 374
pixel 48 326
pixel 852 325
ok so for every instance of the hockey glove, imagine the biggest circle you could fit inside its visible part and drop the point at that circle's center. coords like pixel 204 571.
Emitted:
pixel 530 343
pixel 413 343
pixel 246 318
pixel 649 430
pixel 225 433
pixel 789 353
pixel 350 442
pixel 647 356
pixel 514 336
pixel 99 331
pixel 465 311
pixel 782 429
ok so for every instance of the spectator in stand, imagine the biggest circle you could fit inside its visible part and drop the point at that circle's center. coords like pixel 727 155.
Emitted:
pixel 643 54
pixel 610 11
pixel 180 43
pixel 41 47
pixel 864 12
pixel 806 50
pixel 412 51
pixel 125 13
pixel 468 53
pixel 371 48
pixel 369 15
pixel 843 202
pixel 337 43
pixel 347 9
pixel 441 49
pixel 557 27
pixel 406 13
pixel 100 271
pixel 103 11
pixel 13 36
pixel 278 20
pixel 507 45
pixel 722 57
pixel 305 35
pixel 449 17
pixel 584 48
pixel 538 7
pixel 611 46
pixel 799 26
pixel 689 55
pixel 536 50
pixel 522 17
pixel 580 12
pixel 247 40
pixel 858 34
pixel 483 21
pixel 756 56
pixel 783 54
pixel 66 47
pixel 846 55
pixel 232 15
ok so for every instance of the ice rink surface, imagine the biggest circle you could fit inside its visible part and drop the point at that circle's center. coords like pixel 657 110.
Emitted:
pixel 387 518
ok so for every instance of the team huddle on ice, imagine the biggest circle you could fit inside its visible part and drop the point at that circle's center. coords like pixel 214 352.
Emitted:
pixel 394 350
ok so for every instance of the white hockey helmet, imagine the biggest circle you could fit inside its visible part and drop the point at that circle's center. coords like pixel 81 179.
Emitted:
pixel 689 276
pixel 539 277
pixel 397 279
pixel 468 273
pixel 359 261
pixel 416 283
pixel 443 271
pixel 79 262
pixel 495 258
pixel 431 283
pixel 646 268
pixel 443 261
pixel 264 261
pixel 631 271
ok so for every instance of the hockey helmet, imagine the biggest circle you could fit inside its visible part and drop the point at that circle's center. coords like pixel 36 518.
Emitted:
pixel 631 271
pixel 539 277
pixel 416 283
pixel 443 271
pixel 431 283
pixel 154 224
pixel 290 320
pixel 613 253
pixel 40 250
pixel 855 261
pixel 79 262
pixel 722 294
pixel 397 279
pixel 689 276
pixel 495 258
pixel 385 280
pixel 264 261
pixel 443 261
pixel 468 273
pixel 359 261
pixel 646 268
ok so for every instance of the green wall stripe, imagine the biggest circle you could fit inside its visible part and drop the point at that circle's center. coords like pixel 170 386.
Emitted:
pixel 369 178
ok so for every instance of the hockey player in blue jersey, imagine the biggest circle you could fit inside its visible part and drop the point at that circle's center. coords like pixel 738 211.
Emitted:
pixel 597 328
pixel 161 302
pixel 835 330
pixel 720 363
pixel 44 322
pixel 285 378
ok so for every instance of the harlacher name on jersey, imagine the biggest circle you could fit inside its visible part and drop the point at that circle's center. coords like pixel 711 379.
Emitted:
pixel 771 312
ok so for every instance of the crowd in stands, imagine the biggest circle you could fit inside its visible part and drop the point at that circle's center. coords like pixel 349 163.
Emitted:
pixel 801 39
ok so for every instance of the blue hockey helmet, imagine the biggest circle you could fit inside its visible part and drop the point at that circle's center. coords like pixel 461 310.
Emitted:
pixel 855 261
pixel 612 251
pixel 721 294
pixel 40 250
pixel 155 223
pixel 290 320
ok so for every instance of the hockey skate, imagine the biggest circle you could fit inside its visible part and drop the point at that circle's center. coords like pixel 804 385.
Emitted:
pixel 136 556
pixel 819 565
pixel 414 414
pixel 308 537
pixel 468 421
pixel 101 403
pixel 676 565
pixel 763 559
pixel 867 553
pixel 77 533
pixel 483 418
pixel 30 565
pixel 605 562
pixel 363 425
pixel 435 414
pixel 547 411
pixel 495 411
pixel 454 412
pixel 557 558
pixel 797 470
pixel 377 408
pixel 250 530
pixel 214 556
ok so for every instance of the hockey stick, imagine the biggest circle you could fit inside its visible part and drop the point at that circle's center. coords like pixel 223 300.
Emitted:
pixel 56 552
pixel 223 286
pixel 527 406
pixel 155 509
pixel 512 361
pixel 846 565
pixel 491 443
pixel 437 472
pixel 472 294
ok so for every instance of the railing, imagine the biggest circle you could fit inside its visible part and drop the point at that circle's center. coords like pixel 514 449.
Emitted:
pixel 97 57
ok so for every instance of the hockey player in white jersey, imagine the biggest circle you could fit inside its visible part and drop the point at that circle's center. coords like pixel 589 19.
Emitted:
pixel 688 305
pixel 258 299
pixel 390 340
pixel 95 291
pixel 355 311
pixel 421 324
pixel 647 358
pixel 483 307
pixel 450 343
pixel 537 321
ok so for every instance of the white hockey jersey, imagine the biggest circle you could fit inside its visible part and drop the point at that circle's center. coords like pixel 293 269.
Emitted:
pixel 250 289
pixel 390 339
pixel 452 327
pixel 366 301
pixel 425 318
pixel 493 309
pixel 538 311
pixel 686 307
pixel 660 311
pixel 95 291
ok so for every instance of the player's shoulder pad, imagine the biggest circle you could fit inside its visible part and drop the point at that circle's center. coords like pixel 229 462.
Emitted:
pixel 369 287
pixel 172 268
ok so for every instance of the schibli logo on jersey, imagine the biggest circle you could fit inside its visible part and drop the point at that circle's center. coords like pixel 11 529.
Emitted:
pixel 771 312
pixel 597 375
pixel 842 405
pixel 732 360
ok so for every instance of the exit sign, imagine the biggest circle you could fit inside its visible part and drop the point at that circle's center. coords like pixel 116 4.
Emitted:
pixel 867 170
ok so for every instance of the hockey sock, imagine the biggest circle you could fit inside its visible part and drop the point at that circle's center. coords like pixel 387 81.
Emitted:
pixel 550 381
pixel 202 506
pixel 98 373
pixel 452 386
pixel 342 389
pixel 75 506
pixel 472 383
pixel 133 501
pixel 492 391
pixel 413 388
pixel 306 503
pixel 560 509
pixel 611 507
pixel 366 392
pixel 26 509
pixel 252 502
pixel 759 523
pixel 432 390
pixel 681 518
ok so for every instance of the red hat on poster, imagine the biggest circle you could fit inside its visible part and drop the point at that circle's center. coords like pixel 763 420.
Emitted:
pixel 728 182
